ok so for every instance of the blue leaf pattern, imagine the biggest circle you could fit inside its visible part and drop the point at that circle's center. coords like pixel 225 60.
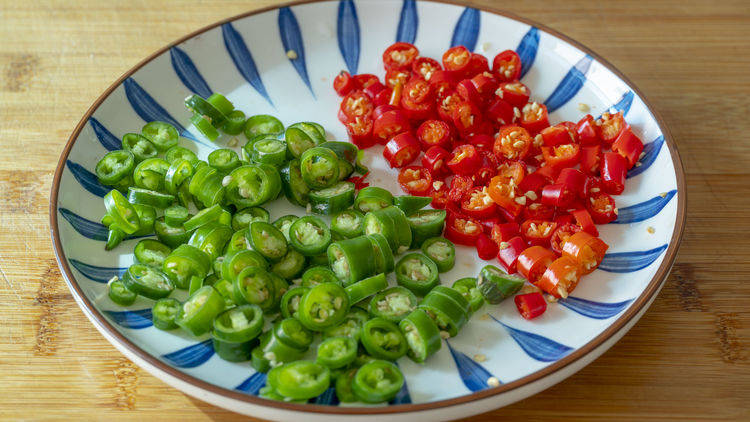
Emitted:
pixel 291 38
pixel 408 22
pixel 106 138
pixel 570 85
pixel 466 31
pixel 650 151
pixel 347 31
pixel 242 59
pixel 527 49
pixel 644 210
pixel 627 262
pixel 187 72
pixel 328 397
pixel 402 397
pixel 134 320
pixel 86 228
pixel 537 347
pixel 253 384
pixel 591 309
pixel 87 179
pixel 191 356
pixel 624 104
pixel 95 273
pixel 473 375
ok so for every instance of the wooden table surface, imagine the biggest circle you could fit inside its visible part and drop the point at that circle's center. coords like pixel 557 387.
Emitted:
pixel 687 359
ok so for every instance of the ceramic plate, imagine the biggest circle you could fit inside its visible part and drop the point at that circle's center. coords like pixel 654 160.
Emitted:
pixel 246 59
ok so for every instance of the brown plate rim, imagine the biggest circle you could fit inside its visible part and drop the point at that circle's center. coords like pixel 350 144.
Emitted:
pixel 615 326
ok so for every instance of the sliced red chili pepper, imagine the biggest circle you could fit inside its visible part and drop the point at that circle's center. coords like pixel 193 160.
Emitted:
pixel 373 89
pixel 530 305
pixel 425 67
pixel 585 129
pixel 415 180
pixel 478 64
pixel 585 221
pixel 533 262
pixel 435 159
pixel 394 76
pixel 534 182
pixel 538 232
pixel 550 172
pixel 382 109
pixel 501 112
pixel 489 159
pixel 538 211
pixel 512 143
pixel 355 104
pixel 561 235
pixel 557 195
pixel 562 156
pixel 563 219
pixel 464 160
pixel 602 208
pixel 401 150
pixel 396 93
pixel 364 80
pixel 556 135
pixel 629 146
pixel 507 66
pixel 400 56
pixel 593 185
pixel 383 97
pixel 417 91
pixel 574 179
pixel 512 170
pixel 417 111
pixel 509 251
pixel 439 194
pixel 609 126
pixel 462 230
pixel 590 159
pixel 467 117
pixel 483 176
pixel 503 232
pixel 359 181
pixel 515 93
pixel 587 250
pixel 560 278
pixel 478 204
pixel 481 141
pixel 485 85
pixel 460 186
pixel 447 104
pixel 504 195
pixel 434 133
pixel 360 131
pixel 614 171
pixel 534 117
pixel 468 91
pixel 389 124
pixel 343 83
pixel 443 82
pixel 457 60
pixel 486 248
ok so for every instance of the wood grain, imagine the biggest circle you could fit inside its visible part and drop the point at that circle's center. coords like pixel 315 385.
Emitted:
pixel 687 359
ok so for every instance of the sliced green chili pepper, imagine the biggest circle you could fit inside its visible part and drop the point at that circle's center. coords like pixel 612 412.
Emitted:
pixel 441 251
pixel 295 188
pixel 211 238
pixel 448 314
pixel 348 223
pixel 252 185
pixel 391 223
pixel 496 286
pixel 177 173
pixel 393 304
pixel 224 160
pixel 422 335
pixel 383 340
pixel 234 123
pixel 147 281
pixel 344 391
pixel 203 217
pixel 456 296
pixel 372 198
pixel 333 199
pixel 211 280
pixel 274 351
pixel 291 332
pixel 267 150
pixel 467 286
pixel 164 313
pixel 362 357
pixel 204 126
pixel 350 259
pixel 350 327
pixel 290 266
pixel 163 135
pixel 411 204
pixel 149 197
pixel 263 124
pixel 185 263
pixel 150 174
pixel 284 223
pixel 178 153
pixel 255 286
pixel 319 274
pixel 176 215
pixel 426 224
pixel 299 380
pixel 336 352
pixel 319 167
pixel 309 235
pixel 366 288
pixel 237 242
pixel 195 284
pixel 124 184
pixel 239 324
pixel 267 240
pixel 403 230
pixel 172 236
pixel 417 273
pixel 120 295
pixel 323 306
pixel 198 105
pixel 139 145
pixel 321 259
pixel 206 186
pixel 114 167
pixel 259 362
pixel 122 214
pixel 233 264
pixel 226 289
pixel 242 218
pixel 302 136
pixel 344 150
pixel 198 312
pixel 146 219
pixel 150 252
pixel 221 103
pixel 382 254
pixel 232 351
pixel 290 301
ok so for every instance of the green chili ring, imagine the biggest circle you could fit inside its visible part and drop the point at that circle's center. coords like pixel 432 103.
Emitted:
pixel 417 273
pixel 309 235
pixel 336 352
pixel 393 304
pixel 422 335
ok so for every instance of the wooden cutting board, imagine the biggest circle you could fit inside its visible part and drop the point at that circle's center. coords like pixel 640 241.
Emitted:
pixel 688 358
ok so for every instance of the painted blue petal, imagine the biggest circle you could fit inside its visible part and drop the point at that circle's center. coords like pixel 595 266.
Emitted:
pixel 527 49
pixel 626 262
pixel 537 347
pixel 253 384
pixel 106 138
pixel 86 228
pixel 242 59
pixel 291 38
pixel 570 85
pixel 651 151
pixel 87 179
pixel 466 31
pixel 624 104
pixel 347 31
pixel 408 22
pixel 644 210
pixel 95 273
pixel 146 106
pixel 473 375
pixel 185 68
pixel 591 309
pixel 327 398
pixel 402 397
pixel 135 320
pixel 191 356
